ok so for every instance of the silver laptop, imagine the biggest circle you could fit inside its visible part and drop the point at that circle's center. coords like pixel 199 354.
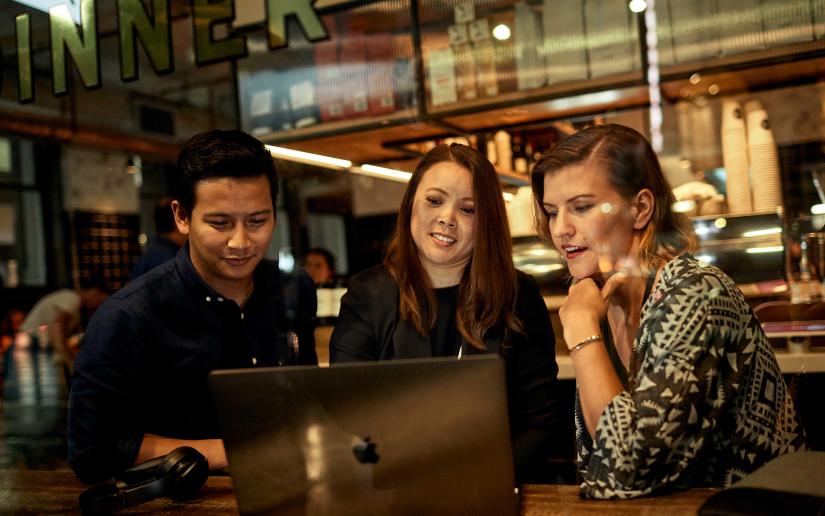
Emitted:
pixel 404 437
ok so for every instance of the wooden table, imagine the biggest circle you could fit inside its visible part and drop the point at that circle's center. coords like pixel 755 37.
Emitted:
pixel 559 500
pixel 48 492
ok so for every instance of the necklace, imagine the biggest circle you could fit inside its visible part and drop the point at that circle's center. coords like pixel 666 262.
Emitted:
pixel 247 294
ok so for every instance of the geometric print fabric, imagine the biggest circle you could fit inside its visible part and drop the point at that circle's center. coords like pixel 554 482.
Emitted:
pixel 705 401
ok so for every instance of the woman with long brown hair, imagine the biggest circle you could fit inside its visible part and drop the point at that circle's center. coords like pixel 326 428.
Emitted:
pixel 448 287
pixel 677 385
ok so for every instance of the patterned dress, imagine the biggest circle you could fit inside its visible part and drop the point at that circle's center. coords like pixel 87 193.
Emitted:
pixel 705 402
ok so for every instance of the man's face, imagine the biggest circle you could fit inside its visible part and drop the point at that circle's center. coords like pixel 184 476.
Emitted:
pixel 229 230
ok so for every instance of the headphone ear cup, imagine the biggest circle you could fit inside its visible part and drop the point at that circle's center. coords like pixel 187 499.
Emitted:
pixel 187 470
pixel 141 473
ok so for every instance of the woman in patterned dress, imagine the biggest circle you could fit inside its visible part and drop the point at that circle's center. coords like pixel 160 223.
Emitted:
pixel 677 385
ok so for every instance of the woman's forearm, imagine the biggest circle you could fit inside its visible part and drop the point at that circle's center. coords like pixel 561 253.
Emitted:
pixel 155 446
pixel 597 382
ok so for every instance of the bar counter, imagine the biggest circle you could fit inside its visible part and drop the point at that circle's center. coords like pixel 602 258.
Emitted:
pixel 812 360
pixel 48 492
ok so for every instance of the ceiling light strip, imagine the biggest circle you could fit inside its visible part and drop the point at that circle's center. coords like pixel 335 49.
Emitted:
pixel 309 158
pixel 342 164
pixel 385 173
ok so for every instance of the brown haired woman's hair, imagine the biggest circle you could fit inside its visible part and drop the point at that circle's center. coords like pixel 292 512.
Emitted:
pixel 482 302
pixel 631 166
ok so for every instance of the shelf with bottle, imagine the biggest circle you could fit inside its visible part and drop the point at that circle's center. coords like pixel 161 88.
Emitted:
pixel 714 82
pixel 481 55
pixel 362 75
pixel 704 34
pixel 512 150
pixel 362 144
pixel 392 63
pixel 366 74
pixel 515 152
pixel 752 214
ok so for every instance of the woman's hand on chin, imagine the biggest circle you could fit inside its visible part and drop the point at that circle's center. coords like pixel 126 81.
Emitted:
pixel 582 310
pixel 613 284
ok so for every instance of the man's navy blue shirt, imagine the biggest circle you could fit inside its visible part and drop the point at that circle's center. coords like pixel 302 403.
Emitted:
pixel 148 350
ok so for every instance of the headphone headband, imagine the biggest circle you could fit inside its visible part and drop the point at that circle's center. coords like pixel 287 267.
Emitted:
pixel 179 474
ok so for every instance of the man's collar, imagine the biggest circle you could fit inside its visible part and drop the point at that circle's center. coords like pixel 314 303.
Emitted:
pixel 191 278
pixel 265 276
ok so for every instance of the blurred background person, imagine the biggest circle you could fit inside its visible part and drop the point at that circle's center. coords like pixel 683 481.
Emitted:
pixel 166 242
pixel 320 264
pixel 61 313
pixel 9 326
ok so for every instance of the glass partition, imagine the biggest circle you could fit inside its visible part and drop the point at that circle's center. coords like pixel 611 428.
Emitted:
pixel 363 71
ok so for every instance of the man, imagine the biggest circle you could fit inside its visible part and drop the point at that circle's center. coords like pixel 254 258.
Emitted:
pixel 166 243
pixel 140 387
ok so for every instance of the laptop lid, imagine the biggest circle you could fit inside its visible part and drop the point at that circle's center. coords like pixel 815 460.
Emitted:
pixel 381 438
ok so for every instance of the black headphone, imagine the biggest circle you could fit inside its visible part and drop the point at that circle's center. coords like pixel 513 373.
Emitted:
pixel 179 474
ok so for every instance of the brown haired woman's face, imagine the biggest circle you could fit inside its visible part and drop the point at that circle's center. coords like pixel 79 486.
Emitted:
pixel 443 222
pixel 591 224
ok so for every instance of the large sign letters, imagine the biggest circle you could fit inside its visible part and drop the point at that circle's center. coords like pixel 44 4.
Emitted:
pixel 155 33
pixel 147 22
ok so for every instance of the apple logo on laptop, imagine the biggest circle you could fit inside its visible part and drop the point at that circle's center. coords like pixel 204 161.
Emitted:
pixel 364 451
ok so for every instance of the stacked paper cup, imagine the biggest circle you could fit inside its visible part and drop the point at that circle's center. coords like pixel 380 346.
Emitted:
pixel 763 157
pixel 735 157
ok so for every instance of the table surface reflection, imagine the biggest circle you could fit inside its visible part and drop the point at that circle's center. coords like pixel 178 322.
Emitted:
pixel 39 492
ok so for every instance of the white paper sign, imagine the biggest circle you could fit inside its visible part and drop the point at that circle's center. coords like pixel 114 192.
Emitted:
pixel 442 77
pixel 261 103
pixel 457 34
pixel 479 30
pixel 464 13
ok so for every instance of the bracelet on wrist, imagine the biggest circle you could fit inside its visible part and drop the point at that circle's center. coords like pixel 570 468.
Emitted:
pixel 589 340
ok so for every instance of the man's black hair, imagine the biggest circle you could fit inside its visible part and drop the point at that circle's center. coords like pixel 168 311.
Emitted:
pixel 219 154
pixel 164 216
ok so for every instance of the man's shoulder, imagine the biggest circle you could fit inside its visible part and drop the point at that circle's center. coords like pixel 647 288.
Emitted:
pixel 154 287
pixel 157 252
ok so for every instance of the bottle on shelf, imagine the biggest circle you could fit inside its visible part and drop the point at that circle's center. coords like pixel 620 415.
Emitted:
pixel 12 279
pixel 531 155
pixel 487 145
pixel 504 152
pixel 519 155
pixel 473 141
